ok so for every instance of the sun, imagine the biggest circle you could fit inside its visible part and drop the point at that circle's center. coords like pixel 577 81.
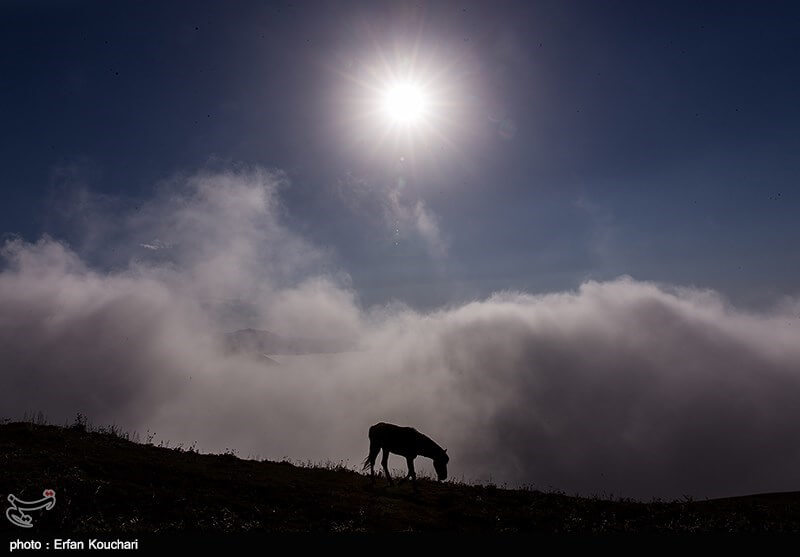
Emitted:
pixel 405 103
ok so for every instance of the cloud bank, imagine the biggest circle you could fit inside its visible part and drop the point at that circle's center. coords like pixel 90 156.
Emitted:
pixel 622 387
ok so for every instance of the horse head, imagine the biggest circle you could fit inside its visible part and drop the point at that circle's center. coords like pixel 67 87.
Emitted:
pixel 440 465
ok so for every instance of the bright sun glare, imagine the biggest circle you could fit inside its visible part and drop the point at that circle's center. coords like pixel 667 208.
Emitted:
pixel 405 103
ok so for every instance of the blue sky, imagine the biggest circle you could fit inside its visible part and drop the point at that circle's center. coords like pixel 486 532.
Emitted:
pixel 584 140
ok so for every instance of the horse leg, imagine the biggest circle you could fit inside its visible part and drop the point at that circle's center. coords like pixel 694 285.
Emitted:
pixel 411 473
pixel 374 449
pixel 385 463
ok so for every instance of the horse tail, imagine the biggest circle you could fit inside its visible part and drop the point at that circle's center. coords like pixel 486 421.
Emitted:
pixel 374 447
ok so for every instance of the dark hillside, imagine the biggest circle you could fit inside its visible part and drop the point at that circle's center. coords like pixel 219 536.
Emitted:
pixel 106 484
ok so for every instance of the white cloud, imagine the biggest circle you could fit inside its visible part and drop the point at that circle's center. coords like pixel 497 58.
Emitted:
pixel 401 215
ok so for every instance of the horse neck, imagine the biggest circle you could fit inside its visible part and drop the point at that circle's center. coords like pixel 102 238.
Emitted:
pixel 430 449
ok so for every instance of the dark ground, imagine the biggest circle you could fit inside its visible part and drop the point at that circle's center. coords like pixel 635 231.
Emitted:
pixel 106 484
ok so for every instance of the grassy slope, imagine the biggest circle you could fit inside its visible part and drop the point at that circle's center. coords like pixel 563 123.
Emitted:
pixel 106 484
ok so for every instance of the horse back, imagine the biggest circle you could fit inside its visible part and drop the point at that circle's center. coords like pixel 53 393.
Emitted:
pixel 397 439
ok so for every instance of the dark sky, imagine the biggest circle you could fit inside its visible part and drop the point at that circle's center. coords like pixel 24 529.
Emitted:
pixel 578 139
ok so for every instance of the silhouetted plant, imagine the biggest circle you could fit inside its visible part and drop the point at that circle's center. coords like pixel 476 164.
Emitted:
pixel 79 424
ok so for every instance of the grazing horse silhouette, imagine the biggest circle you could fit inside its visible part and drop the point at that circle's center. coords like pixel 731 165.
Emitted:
pixel 407 442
